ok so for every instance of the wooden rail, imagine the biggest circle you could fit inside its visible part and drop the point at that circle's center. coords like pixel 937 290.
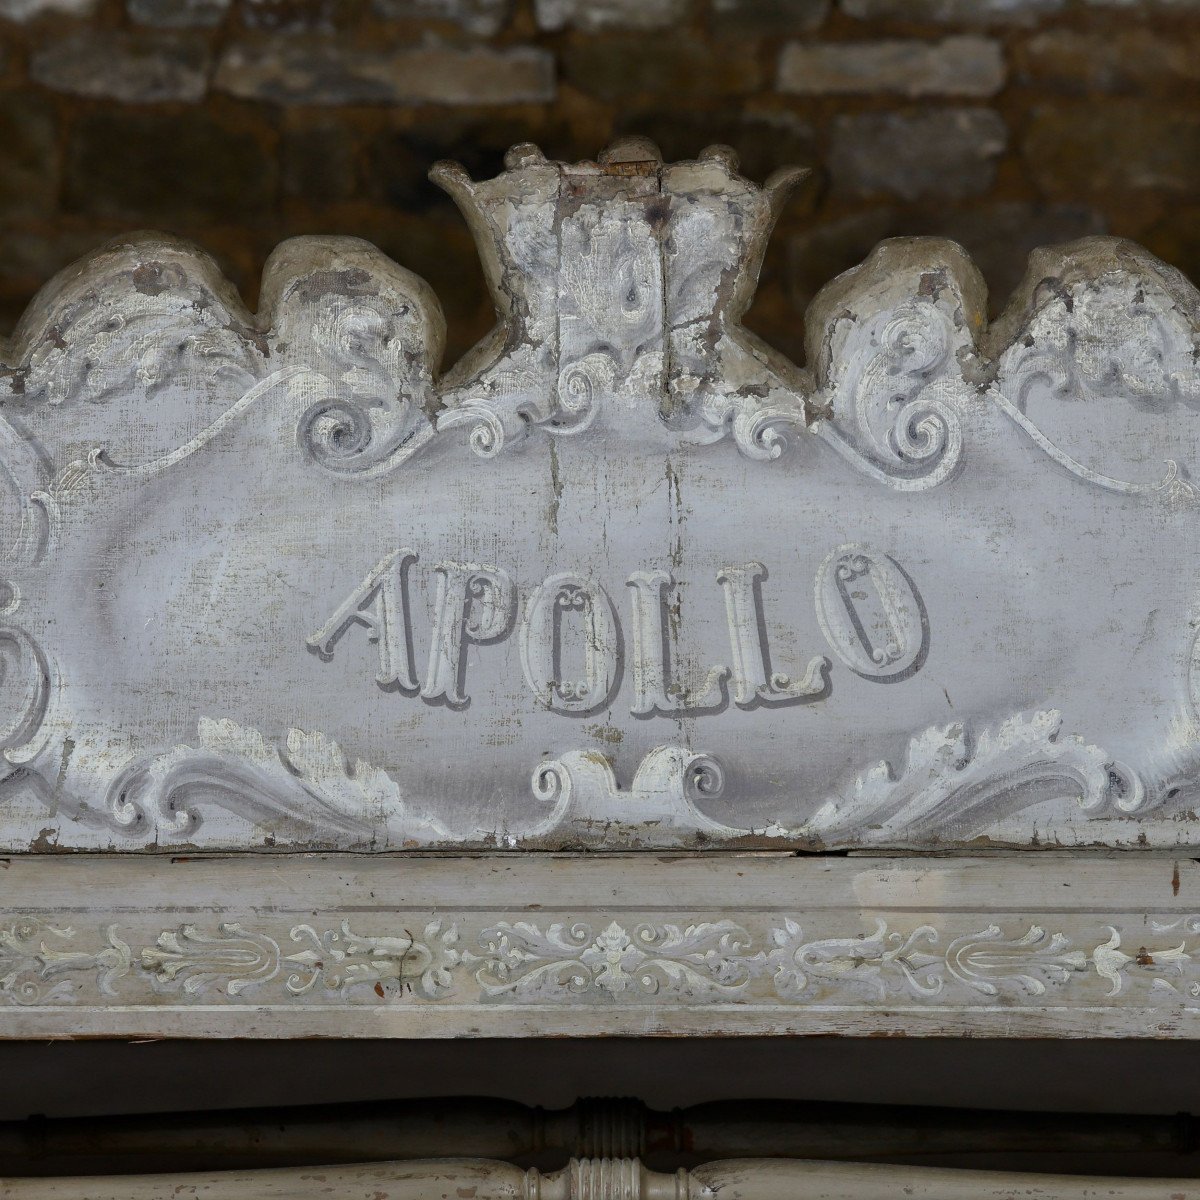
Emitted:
pixel 619 1128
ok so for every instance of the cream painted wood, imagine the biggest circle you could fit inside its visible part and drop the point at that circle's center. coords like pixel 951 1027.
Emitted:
pixel 601 1179
pixel 533 945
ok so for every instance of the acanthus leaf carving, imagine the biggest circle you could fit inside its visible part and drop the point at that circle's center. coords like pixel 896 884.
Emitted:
pixel 955 778
pixel 308 783
pixel 36 959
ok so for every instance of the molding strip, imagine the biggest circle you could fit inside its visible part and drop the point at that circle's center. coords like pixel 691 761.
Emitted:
pixel 416 947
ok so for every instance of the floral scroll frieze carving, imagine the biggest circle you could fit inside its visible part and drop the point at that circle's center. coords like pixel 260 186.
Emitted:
pixel 235 959
pixel 596 959
pixel 41 963
pixel 705 961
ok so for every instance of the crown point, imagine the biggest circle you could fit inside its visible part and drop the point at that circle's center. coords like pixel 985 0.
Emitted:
pixel 630 149
pixel 524 154
pixel 727 156
pixel 781 183
pixel 450 176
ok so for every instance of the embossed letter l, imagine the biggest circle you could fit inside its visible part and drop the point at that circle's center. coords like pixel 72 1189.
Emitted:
pixel 652 691
pixel 750 655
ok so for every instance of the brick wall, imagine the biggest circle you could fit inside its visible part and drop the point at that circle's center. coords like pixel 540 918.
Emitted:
pixel 1002 123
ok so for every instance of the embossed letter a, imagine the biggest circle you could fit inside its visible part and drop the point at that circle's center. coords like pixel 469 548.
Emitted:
pixel 380 603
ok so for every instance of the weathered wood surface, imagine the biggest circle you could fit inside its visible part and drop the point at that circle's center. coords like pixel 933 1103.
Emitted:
pixel 622 578
pixel 602 1179
pixel 520 945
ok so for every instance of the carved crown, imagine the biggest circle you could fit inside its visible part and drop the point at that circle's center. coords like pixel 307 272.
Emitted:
pixel 611 272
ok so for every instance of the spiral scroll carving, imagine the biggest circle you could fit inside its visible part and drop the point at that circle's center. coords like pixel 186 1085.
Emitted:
pixel 891 416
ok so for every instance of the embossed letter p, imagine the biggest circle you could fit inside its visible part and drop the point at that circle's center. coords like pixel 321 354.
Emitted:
pixel 474 604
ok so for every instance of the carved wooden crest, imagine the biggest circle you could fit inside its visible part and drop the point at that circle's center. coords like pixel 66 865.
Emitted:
pixel 622 578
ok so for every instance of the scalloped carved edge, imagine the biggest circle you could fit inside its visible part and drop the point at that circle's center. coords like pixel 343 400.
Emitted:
pixel 908 323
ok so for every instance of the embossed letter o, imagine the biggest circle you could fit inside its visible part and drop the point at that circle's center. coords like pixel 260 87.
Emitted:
pixel 871 613
pixel 556 604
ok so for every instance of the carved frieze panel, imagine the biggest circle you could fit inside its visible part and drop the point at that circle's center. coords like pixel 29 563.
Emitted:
pixel 1080 946
pixel 622 578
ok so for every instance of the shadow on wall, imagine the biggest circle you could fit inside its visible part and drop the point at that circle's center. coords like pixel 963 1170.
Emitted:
pixel 91 1078
pixel 1004 124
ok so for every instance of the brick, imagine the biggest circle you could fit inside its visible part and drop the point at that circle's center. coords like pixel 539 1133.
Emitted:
pixel 29 179
pixel 624 68
pixel 592 15
pixel 949 152
pixel 1176 239
pixel 1001 236
pixel 1125 145
pixel 1161 5
pixel 159 168
pixel 779 17
pixel 290 16
pixel 29 10
pixel 137 69
pixel 178 14
pixel 1131 59
pixel 30 257
pixel 957 66
pixel 397 161
pixel 333 73
pixel 483 17
pixel 955 12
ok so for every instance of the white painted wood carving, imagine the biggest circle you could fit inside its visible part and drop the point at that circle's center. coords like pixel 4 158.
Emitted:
pixel 622 578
